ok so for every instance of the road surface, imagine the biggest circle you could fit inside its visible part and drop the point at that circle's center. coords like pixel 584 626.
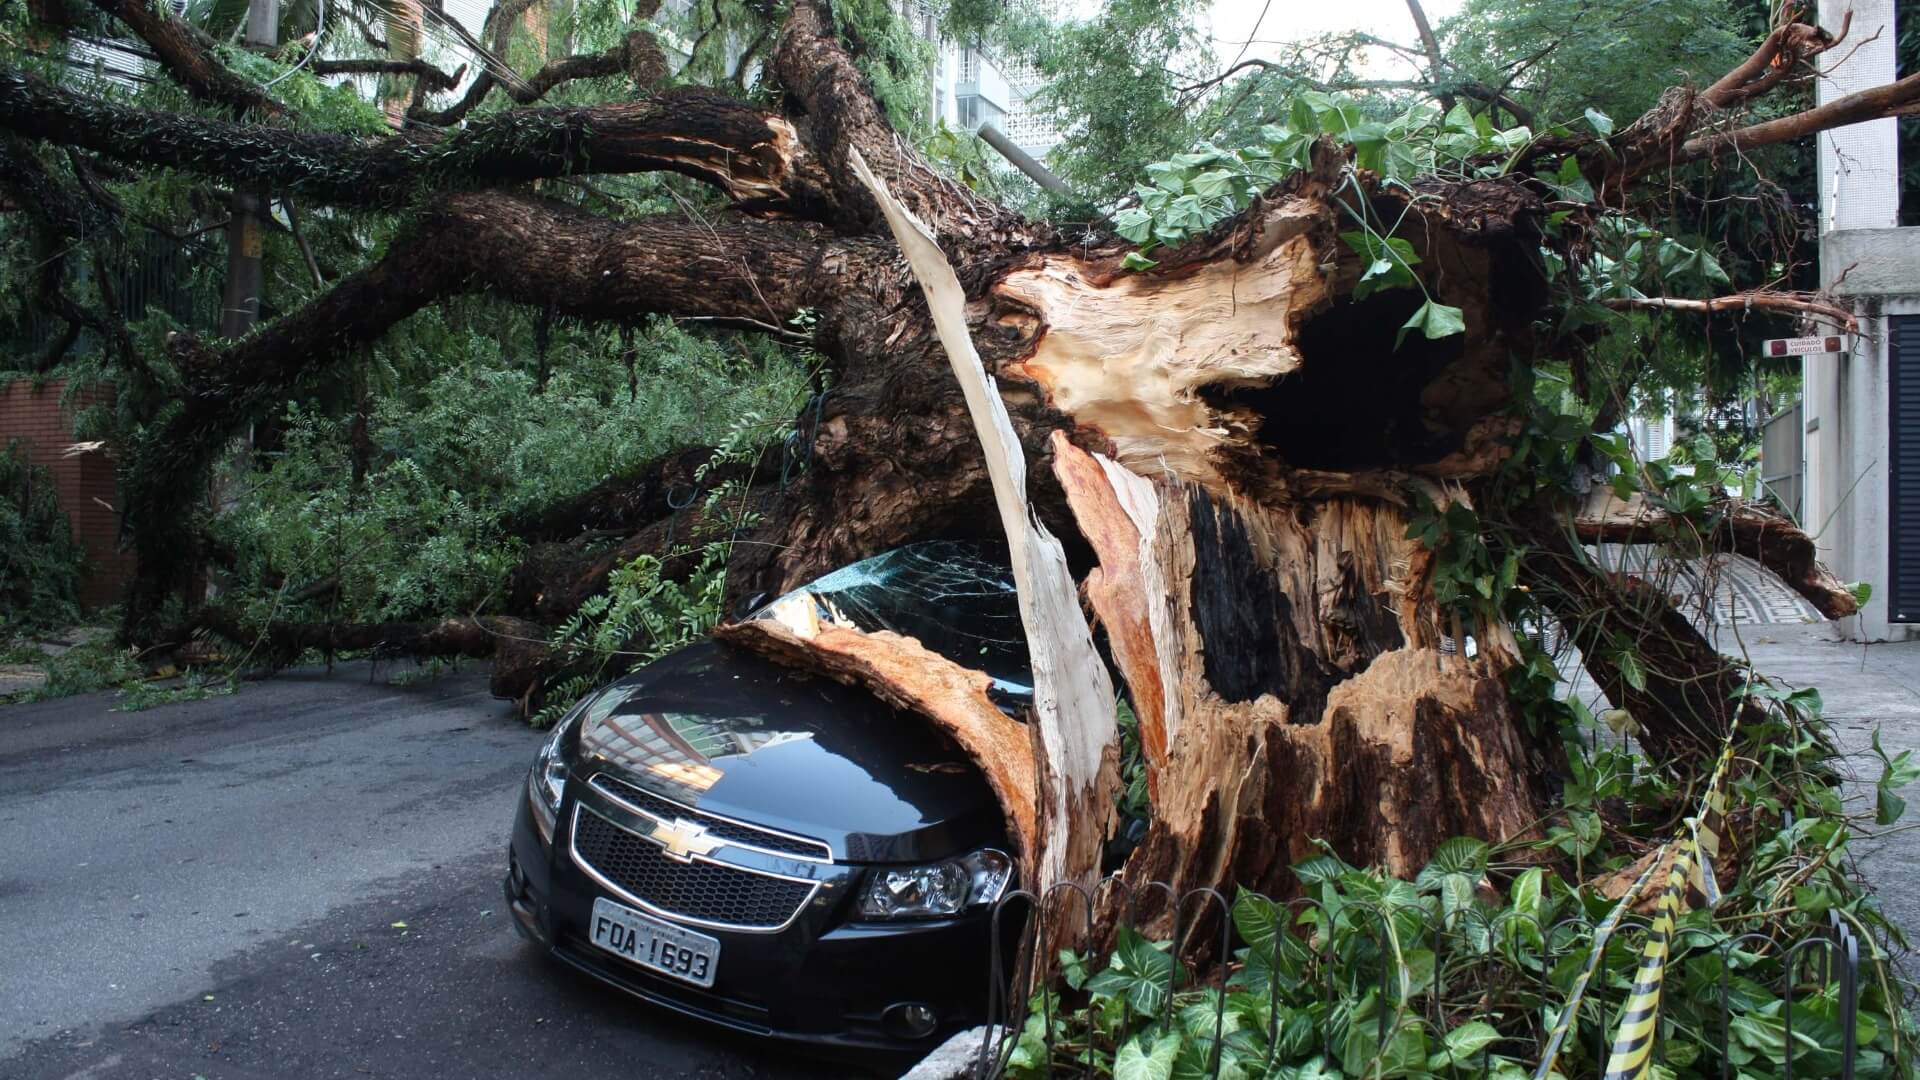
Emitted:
pixel 298 880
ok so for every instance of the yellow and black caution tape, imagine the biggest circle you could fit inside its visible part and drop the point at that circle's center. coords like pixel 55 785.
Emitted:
pixel 1601 934
pixel 1696 850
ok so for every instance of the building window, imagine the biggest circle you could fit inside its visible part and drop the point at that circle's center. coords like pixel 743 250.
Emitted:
pixel 975 110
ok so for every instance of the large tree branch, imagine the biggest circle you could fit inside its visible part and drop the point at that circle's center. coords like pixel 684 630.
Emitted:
pixel 817 71
pixel 1783 49
pixel 518 249
pixel 638 56
pixel 1431 45
pixel 1733 525
pixel 517 648
pixel 187 55
pixel 430 76
pixel 1786 303
pixel 1639 648
pixel 756 158
pixel 1892 99
pixel 549 256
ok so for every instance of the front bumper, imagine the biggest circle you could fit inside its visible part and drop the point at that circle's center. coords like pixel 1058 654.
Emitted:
pixel 823 980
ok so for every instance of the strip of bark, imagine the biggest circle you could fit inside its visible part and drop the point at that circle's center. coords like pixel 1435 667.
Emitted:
pixel 1123 588
pixel 1077 738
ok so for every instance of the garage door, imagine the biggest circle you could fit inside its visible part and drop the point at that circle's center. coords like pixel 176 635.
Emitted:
pixel 1903 496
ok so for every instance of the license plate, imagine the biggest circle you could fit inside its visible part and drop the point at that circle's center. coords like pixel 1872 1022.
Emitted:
pixel 655 945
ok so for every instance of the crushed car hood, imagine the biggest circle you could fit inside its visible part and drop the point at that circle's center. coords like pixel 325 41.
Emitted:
pixel 723 731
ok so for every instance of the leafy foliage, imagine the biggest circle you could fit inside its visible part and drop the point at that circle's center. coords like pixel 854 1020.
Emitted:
pixel 40 563
pixel 1464 970
pixel 446 460
pixel 1614 56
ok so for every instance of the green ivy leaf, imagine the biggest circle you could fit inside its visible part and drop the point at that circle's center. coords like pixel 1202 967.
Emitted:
pixel 1435 320
pixel 1138 1062
pixel 1134 224
pixel 1462 1044
pixel 1601 123
pixel 1631 670
pixel 1137 261
pixel 1896 772
pixel 1212 184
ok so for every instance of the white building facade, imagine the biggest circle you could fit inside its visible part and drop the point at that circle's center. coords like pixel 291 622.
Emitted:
pixel 1862 407
pixel 970 87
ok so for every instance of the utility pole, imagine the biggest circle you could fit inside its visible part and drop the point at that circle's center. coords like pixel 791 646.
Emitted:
pixel 246 270
pixel 246 274
pixel 1022 160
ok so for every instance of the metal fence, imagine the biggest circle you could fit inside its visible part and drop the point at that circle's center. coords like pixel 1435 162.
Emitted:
pixel 1469 947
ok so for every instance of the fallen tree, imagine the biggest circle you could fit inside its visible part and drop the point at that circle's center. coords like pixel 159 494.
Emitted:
pixel 1245 436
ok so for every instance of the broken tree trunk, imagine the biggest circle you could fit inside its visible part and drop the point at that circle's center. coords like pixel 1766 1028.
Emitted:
pixel 1275 628
pixel 1235 438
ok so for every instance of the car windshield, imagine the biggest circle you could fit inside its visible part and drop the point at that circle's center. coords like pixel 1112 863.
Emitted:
pixel 956 598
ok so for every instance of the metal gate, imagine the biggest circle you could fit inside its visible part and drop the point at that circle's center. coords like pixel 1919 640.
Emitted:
pixel 1783 459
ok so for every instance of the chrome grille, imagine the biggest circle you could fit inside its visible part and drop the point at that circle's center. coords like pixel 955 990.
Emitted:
pixel 738 832
pixel 701 892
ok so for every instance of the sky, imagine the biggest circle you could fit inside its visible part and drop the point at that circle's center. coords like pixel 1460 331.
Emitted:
pixel 1234 21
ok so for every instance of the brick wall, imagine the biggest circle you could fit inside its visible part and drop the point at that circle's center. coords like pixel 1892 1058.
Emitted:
pixel 84 481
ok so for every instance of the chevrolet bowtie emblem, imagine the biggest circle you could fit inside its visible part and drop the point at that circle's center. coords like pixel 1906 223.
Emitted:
pixel 683 839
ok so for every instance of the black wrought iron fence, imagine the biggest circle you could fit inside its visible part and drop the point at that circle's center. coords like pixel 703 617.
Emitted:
pixel 1494 952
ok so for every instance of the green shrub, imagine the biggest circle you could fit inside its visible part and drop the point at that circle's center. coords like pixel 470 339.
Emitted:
pixel 1465 971
pixel 40 563
pixel 421 535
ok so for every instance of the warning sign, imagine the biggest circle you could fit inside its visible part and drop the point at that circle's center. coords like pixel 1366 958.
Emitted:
pixel 1805 346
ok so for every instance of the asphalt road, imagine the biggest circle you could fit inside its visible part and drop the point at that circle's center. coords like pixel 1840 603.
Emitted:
pixel 298 880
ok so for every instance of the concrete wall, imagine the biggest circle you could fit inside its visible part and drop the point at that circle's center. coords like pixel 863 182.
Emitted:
pixel 1859 164
pixel 1867 260
pixel 1848 487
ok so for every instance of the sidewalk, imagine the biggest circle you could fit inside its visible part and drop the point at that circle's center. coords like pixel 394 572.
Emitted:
pixel 1864 687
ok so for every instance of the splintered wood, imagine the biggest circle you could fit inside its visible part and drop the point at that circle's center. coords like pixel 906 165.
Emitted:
pixel 906 675
pixel 1075 772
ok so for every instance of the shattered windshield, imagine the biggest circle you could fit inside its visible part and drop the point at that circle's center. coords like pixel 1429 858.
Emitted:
pixel 956 598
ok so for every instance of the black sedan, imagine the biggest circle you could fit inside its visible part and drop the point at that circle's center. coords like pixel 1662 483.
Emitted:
pixel 777 853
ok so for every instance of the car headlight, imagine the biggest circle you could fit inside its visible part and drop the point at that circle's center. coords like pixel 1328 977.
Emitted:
pixel 943 888
pixel 547 782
